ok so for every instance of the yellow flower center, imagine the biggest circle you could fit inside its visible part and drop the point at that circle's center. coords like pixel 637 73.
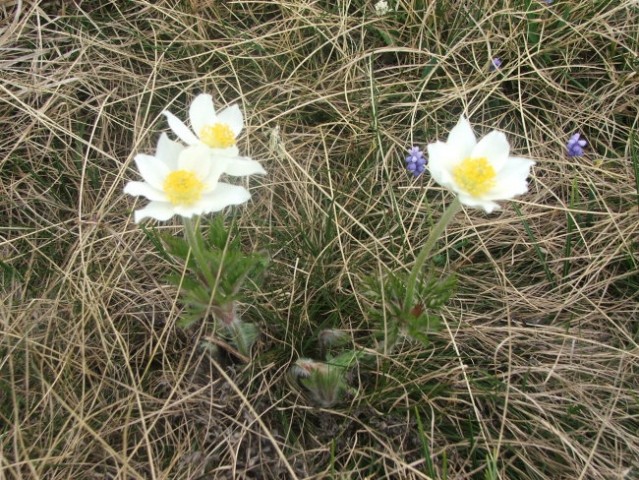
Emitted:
pixel 183 187
pixel 476 176
pixel 218 135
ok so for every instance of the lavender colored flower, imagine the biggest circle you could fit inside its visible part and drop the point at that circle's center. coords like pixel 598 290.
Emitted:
pixel 575 145
pixel 415 161
pixel 495 63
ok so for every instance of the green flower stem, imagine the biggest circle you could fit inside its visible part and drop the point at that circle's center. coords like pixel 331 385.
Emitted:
pixel 435 233
pixel 194 238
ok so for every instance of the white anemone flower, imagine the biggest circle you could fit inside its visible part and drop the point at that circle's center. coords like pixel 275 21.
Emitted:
pixel 478 172
pixel 179 182
pixel 217 132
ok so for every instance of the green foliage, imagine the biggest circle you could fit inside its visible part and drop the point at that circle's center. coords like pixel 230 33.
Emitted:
pixel 211 274
pixel 244 335
pixel 417 319
pixel 491 472
pixel 428 461
pixel 634 157
pixel 323 383
pixel 224 262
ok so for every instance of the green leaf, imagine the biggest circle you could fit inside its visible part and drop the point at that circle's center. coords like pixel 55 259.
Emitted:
pixel 188 318
pixel 218 236
pixel 419 327
pixel 244 337
pixel 155 238
pixel 346 359
pixel 176 246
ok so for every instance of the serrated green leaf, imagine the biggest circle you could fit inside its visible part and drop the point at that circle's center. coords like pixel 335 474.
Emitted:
pixel 184 281
pixel 155 238
pixel 420 327
pixel 176 246
pixel 347 359
pixel 188 318
pixel 217 234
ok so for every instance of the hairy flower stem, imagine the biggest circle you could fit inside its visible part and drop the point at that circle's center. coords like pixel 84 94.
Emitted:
pixel 194 238
pixel 435 233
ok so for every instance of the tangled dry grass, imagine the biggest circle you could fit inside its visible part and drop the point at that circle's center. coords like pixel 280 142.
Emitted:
pixel 535 375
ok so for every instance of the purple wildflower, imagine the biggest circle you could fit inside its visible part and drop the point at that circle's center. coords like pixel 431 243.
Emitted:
pixel 575 146
pixel 495 63
pixel 415 161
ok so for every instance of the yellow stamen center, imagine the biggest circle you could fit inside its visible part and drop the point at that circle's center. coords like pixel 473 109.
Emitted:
pixel 218 135
pixel 183 187
pixel 476 176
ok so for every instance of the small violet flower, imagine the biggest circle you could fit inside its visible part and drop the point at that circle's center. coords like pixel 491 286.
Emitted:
pixel 415 161
pixel 575 146
pixel 495 64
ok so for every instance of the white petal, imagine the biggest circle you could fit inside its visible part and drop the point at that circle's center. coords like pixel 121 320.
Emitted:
pixel 207 168
pixel 189 211
pixel 180 129
pixel 153 171
pixel 161 211
pixel 226 194
pixel 493 147
pixel 226 152
pixel 145 190
pixel 196 159
pixel 474 202
pixel 441 159
pixel 223 196
pixel 217 169
pixel 232 116
pixel 462 138
pixel 511 179
pixel 242 166
pixel 201 112
pixel 168 151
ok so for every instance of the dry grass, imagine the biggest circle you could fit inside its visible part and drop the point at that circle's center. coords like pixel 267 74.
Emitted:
pixel 537 366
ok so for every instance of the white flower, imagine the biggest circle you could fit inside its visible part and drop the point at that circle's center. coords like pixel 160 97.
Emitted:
pixel 179 182
pixel 217 132
pixel 382 8
pixel 478 172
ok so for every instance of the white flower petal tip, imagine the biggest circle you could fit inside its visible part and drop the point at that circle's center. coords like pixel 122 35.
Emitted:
pixel 201 112
pixel 180 129
pixel 479 173
pixel 462 138
pixel 243 166
pixel 143 189
pixel 156 210
pixel 232 116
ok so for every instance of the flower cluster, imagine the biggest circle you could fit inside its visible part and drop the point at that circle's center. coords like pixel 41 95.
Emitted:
pixel 575 145
pixel 415 161
pixel 185 180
